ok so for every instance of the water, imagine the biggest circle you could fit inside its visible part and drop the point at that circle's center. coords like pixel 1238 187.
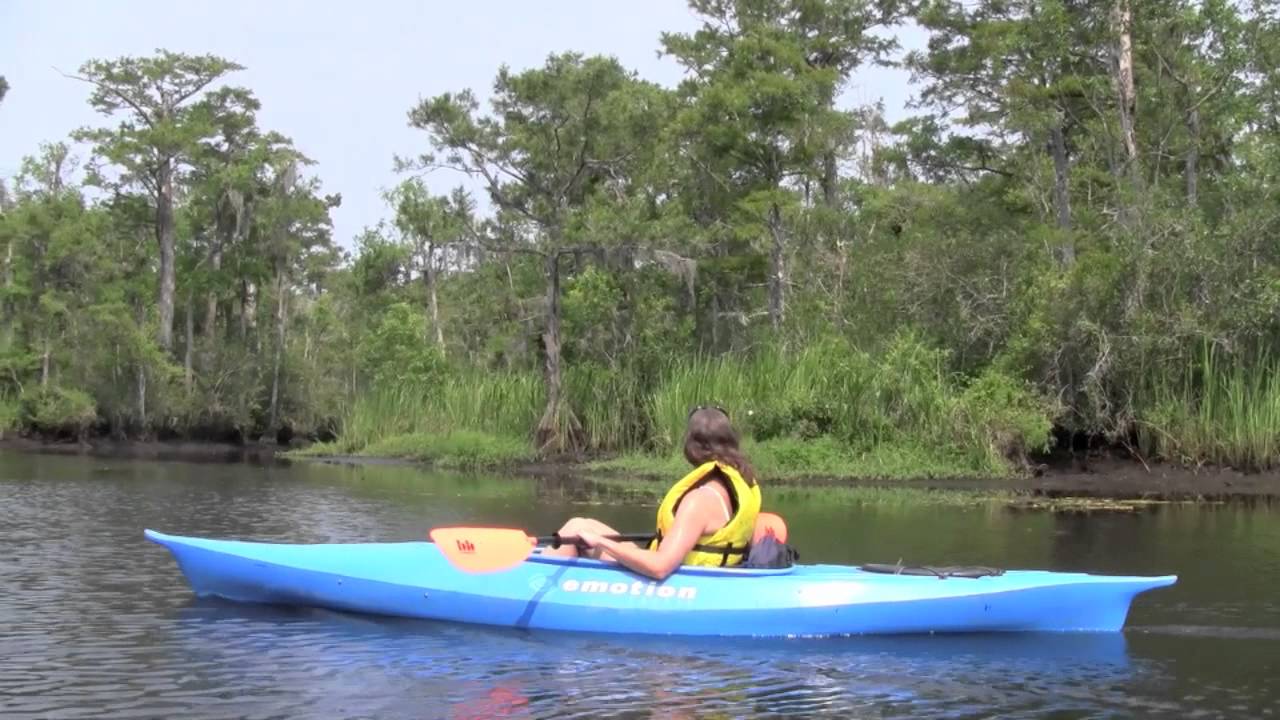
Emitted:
pixel 97 622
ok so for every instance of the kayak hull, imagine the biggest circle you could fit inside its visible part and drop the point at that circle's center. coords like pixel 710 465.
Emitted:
pixel 413 579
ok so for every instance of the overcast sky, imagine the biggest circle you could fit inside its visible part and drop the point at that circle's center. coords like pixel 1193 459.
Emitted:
pixel 338 78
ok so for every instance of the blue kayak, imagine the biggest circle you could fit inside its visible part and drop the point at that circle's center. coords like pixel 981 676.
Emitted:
pixel 414 579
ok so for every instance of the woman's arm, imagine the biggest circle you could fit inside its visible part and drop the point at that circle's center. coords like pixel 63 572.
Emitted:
pixel 690 524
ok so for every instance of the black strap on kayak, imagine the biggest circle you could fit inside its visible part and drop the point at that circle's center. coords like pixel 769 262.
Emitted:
pixel 940 572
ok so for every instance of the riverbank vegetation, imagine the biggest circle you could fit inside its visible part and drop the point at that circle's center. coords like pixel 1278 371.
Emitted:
pixel 1070 236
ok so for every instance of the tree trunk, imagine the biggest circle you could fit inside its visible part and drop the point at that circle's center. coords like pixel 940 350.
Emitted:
pixel 191 341
pixel 837 301
pixel 1193 157
pixel 1122 22
pixel 1062 195
pixel 830 178
pixel 142 397
pixel 249 313
pixel 429 277
pixel 548 432
pixel 777 269
pixel 7 307
pixel 44 362
pixel 211 302
pixel 165 236
pixel 715 320
pixel 282 309
pixel 140 372
pixel 1061 188
pixel 1122 26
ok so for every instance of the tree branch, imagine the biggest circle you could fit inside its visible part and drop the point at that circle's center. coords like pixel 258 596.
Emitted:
pixel 107 88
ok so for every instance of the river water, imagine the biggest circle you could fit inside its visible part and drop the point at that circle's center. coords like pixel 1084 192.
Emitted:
pixel 97 622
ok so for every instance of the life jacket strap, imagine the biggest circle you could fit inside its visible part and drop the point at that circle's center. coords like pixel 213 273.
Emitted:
pixel 724 552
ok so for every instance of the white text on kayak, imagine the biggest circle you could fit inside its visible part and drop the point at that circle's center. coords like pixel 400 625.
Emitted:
pixel 637 589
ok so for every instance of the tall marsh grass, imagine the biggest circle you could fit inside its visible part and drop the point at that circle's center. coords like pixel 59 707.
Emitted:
pixel 903 398
pixel 826 407
pixel 1219 411
pixel 506 404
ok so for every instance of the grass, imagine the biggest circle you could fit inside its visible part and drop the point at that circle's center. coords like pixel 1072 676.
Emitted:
pixel 833 409
pixel 496 404
pixel 458 449
pixel 827 410
pixel 1221 411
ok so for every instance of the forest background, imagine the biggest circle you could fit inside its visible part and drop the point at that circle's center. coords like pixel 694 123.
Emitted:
pixel 1071 240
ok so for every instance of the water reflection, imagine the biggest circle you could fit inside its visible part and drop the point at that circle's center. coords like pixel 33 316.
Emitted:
pixel 470 671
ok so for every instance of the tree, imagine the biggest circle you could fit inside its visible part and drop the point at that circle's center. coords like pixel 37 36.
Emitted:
pixel 162 126
pixel 561 139
pixel 294 224
pixel 760 114
pixel 438 228
pixel 232 173
pixel 4 88
pixel 1017 75
pixel 50 253
pixel 1204 50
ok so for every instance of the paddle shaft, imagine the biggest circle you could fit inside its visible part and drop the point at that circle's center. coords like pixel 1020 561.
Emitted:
pixel 556 540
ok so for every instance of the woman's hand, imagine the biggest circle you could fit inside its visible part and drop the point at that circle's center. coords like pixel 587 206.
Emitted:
pixel 588 538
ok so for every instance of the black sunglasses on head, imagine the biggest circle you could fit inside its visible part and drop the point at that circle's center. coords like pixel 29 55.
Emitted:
pixel 708 407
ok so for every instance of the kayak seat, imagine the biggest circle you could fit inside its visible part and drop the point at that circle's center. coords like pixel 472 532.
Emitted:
pixel 940 572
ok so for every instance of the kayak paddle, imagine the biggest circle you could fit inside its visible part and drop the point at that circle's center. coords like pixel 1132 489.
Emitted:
pixel 490 549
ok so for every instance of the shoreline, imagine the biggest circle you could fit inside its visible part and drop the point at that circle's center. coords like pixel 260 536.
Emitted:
pixel 166 450
pixel 1104 478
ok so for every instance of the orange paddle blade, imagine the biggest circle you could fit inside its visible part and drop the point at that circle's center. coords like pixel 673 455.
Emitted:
pixel 483 550
pixel 767 523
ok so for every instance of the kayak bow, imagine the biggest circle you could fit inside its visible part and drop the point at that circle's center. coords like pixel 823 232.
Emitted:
pixel 413 579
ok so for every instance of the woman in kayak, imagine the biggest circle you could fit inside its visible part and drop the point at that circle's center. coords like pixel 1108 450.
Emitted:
pixel 706 518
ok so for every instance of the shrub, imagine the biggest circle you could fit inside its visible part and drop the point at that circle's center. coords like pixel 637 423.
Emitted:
pixel 55 410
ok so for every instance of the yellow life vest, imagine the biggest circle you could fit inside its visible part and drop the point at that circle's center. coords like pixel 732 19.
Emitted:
pixel 729 544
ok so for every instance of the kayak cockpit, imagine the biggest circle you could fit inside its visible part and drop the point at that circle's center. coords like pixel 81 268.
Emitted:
pixel 700 570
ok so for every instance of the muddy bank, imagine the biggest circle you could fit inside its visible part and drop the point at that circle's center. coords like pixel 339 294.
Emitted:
pixel 1107 478
pixel 1113 478
pixel 1130 479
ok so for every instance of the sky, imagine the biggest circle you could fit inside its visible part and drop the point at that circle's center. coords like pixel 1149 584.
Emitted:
pixel 338 78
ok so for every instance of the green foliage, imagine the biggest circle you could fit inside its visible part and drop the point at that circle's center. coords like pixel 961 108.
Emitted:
pixel 57 411
pixel 396 353
pixel 1007 416
pixel 9 415
pixel 932 298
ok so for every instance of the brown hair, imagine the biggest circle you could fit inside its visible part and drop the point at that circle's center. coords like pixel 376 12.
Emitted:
pixel 710 436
